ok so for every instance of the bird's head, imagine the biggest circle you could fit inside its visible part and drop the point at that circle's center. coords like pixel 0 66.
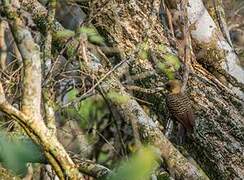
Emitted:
pixel 174 86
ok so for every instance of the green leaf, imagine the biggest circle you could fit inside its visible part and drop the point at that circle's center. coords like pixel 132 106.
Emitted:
pixel 86 111
pixel 86 107
pixel 91 109
pixel 103 157
pixel 138 167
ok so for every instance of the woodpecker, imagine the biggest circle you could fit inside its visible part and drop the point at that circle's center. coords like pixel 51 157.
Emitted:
pixel 180 108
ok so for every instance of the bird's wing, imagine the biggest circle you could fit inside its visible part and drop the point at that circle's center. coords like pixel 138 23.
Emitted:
pixel 186 119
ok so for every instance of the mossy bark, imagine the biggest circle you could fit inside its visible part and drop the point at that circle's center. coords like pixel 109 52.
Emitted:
pixel 217 143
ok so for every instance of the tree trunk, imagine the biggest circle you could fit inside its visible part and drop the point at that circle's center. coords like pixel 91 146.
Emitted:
pixel 153 42
pixel 217 144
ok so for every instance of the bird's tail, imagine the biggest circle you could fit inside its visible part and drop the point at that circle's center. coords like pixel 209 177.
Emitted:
pixel 181 134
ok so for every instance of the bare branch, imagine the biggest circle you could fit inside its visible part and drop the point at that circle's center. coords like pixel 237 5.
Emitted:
pixel 3 47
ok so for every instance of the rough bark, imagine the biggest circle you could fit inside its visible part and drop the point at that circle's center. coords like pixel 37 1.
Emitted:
pixel 217 144
pixel 215 50
pixel 218 141
pixel 177 164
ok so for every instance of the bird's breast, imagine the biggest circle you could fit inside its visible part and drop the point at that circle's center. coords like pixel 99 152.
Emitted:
pixel 178 103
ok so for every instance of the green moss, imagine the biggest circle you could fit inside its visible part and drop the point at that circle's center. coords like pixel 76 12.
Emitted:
pixel 70 51
pixel 143 51
pixel 167 69
pixel 65 34
pixel 118 98
pixel 162 48
pixel 92 34
pixel 173 60
pixel 170 74
pixel 169 65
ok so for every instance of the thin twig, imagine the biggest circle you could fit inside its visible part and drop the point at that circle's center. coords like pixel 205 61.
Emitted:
pixel 98 82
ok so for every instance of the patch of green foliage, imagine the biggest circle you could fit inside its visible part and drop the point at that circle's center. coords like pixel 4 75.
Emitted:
pixel 71 51
pixel 17 151
pixel 91 109
pixel 139 166
pixel 72 94
pixel 103 157
pixel 87 110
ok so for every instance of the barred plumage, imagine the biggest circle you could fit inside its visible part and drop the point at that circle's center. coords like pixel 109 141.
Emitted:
pixel 180 109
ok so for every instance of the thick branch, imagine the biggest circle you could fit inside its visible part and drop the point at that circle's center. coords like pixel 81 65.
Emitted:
pixel 32 65
pixel 92 169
